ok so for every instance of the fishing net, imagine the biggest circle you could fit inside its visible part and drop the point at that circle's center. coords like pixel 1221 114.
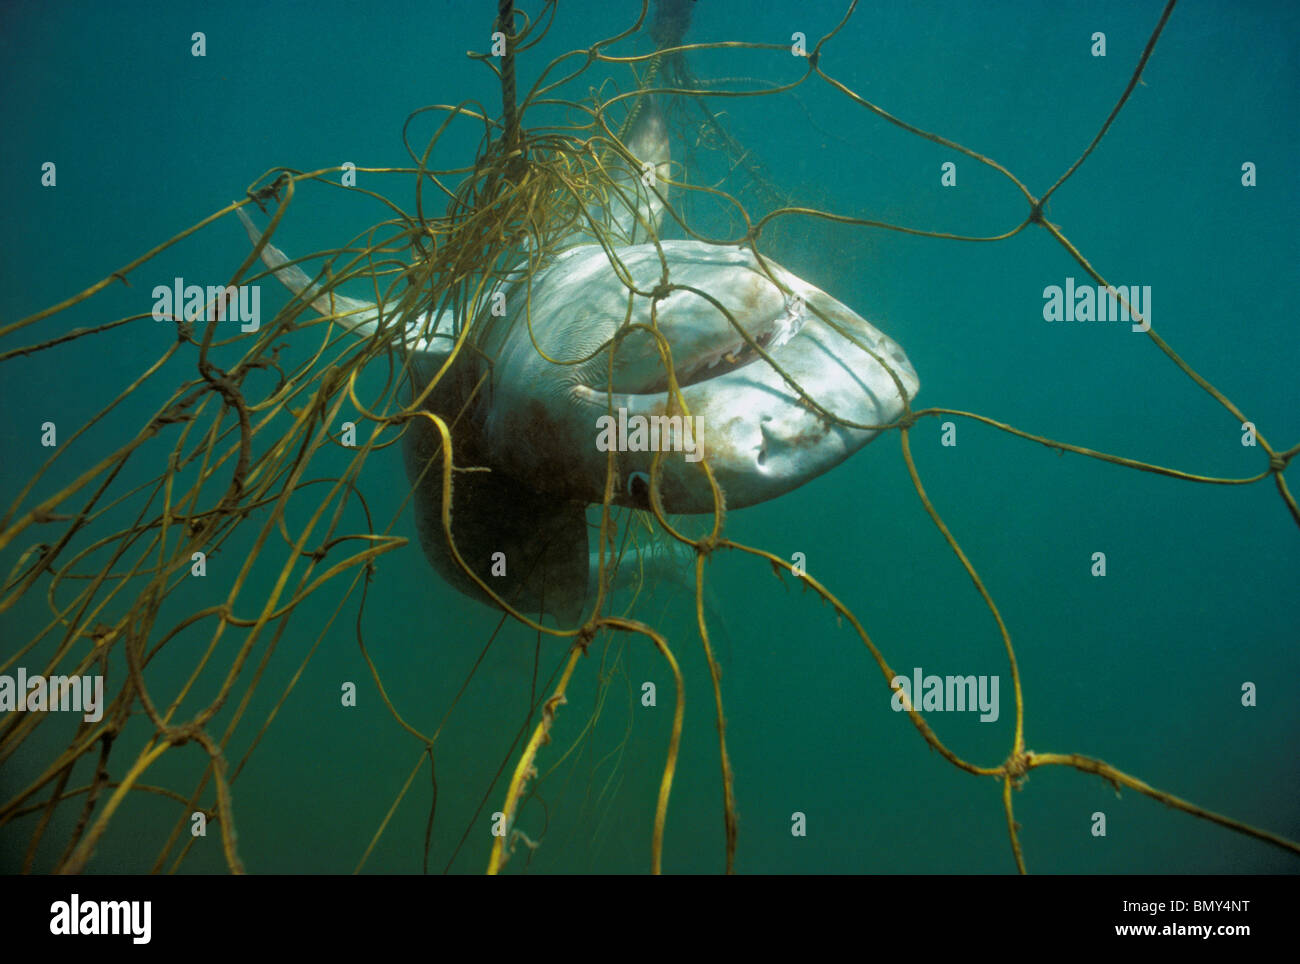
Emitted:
pixel 209 564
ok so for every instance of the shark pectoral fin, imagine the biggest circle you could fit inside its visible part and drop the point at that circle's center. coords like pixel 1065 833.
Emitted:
pixel 530 548
pixel 359 317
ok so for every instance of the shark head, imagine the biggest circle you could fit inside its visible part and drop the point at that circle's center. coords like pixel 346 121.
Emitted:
pixel 578 377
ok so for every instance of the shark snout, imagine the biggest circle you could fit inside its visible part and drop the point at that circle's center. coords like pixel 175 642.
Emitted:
pixel 771 426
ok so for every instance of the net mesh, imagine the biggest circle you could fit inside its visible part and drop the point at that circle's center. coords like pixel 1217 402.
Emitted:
pixel 261 448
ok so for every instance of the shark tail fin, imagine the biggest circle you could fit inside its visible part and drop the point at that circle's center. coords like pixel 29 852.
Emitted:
pixel 637 190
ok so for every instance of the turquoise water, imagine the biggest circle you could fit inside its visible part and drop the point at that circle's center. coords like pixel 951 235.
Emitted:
pixel 1143 667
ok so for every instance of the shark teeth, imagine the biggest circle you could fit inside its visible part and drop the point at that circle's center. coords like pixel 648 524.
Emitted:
pixel 739 353
pixel 734 354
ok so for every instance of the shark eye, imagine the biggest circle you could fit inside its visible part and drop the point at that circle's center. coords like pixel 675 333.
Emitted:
pixel 638 487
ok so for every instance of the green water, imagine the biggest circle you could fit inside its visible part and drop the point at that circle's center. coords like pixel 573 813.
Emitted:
pixel 1143 667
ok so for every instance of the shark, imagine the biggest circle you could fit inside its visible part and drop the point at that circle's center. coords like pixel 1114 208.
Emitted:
pixel 780 381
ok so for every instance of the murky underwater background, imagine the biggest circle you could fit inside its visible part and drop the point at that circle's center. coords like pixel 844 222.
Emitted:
pixel 1142 668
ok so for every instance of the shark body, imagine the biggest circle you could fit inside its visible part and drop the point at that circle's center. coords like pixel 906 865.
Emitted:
pixel 534 393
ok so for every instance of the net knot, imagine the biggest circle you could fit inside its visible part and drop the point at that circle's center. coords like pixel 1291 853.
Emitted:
pixel 707 545
pixel 1016 767
pixel 586 634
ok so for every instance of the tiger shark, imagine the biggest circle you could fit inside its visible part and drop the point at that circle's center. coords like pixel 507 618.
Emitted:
pixel 545 431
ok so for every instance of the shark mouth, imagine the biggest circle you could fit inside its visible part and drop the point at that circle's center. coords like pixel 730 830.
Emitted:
pixel 643 371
